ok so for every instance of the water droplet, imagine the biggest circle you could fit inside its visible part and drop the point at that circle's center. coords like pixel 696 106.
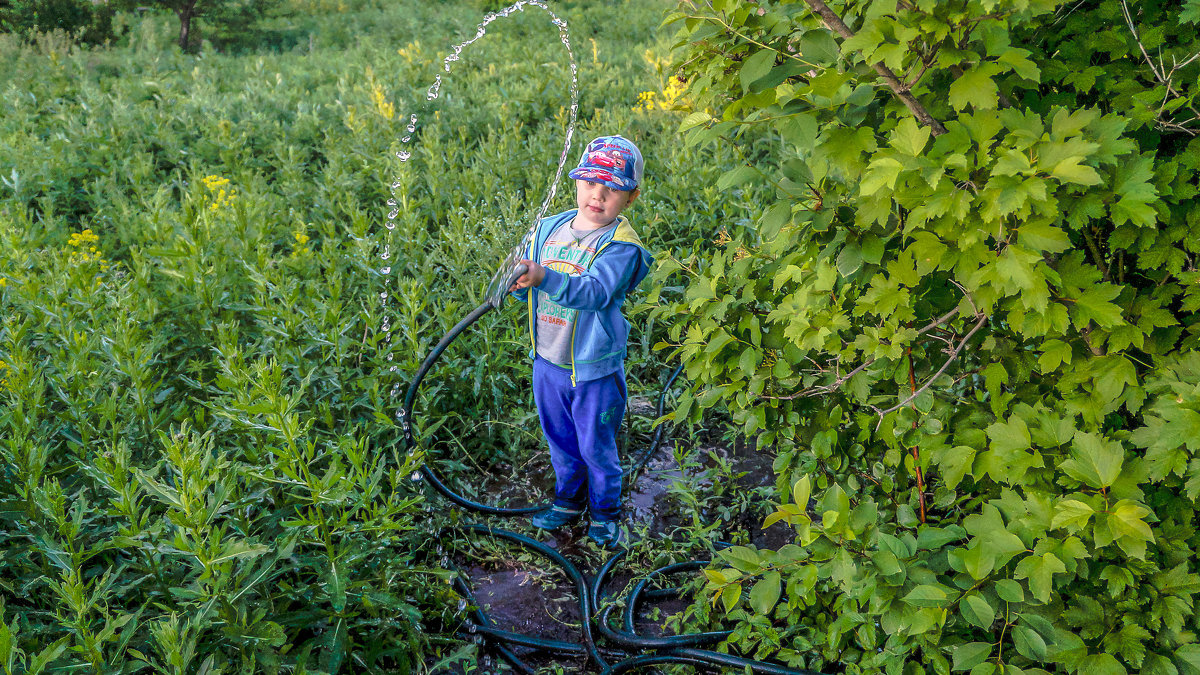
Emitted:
pixel 383 295
pixel 462 604
pixel 391 202
pixel 403 155
pixel 416 476
pixel 385 270
pixel 391 224
pixel 393 214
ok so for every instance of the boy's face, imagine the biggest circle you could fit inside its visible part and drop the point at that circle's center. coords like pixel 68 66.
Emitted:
pixel 599 204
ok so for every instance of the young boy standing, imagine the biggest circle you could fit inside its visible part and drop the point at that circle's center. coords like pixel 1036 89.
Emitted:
pixel 582 264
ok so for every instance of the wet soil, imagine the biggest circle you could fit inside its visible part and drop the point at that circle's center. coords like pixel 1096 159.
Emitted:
pixel 521 593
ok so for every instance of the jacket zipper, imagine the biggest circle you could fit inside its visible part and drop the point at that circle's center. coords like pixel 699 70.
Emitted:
pixel 575 324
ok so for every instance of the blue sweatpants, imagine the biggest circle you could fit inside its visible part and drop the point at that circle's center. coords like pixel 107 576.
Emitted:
pixel 580 424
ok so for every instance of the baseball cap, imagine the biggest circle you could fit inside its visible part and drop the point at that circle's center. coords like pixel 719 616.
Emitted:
pixel 612 160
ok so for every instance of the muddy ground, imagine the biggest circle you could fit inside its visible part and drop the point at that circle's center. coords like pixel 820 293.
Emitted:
pixel 521 592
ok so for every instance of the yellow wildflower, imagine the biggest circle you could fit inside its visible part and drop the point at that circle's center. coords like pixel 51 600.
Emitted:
pixel 217 192
pixel 301 248
pixel 410 51
pixel 214 182
pixel 86 250
pixel 383 106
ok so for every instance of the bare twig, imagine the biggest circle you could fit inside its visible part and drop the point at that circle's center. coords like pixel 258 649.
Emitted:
pixel 1090 238
pixel 836 24
pixel 980 320
pixel 841 380
pixel 1163 77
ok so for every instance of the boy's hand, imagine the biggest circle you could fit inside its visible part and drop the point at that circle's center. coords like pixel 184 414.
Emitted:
pixel 532 277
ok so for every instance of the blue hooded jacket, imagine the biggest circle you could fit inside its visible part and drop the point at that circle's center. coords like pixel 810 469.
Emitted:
pixel 600 333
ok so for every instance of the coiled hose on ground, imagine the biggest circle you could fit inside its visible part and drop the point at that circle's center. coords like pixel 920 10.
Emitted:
pixel 632 651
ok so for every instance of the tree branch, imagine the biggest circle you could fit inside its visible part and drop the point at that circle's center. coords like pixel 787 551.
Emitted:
pixel 836 24
pixel 981 319
pixel 837 384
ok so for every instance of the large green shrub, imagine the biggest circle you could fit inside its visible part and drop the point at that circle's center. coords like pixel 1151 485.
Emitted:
pixel 198 374
pixel 965 321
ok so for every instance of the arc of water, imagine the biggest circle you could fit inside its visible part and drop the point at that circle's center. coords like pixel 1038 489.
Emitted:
pixel 495 290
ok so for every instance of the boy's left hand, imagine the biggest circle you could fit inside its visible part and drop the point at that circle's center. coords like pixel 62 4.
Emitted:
pixel 532 277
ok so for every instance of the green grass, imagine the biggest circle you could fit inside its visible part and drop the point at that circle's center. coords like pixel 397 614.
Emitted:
pixel 200 463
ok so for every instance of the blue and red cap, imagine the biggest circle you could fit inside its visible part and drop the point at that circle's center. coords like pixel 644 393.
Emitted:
pixel 613 161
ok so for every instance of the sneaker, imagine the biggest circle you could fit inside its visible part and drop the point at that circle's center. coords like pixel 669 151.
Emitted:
pixel 555 517
pixel 606 533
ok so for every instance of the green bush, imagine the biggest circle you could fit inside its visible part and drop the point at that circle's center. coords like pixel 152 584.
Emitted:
pixel 965 319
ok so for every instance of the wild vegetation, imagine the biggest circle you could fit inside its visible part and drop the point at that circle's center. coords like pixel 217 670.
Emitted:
pixel 938 259
pixel 198 374
pixel 966 322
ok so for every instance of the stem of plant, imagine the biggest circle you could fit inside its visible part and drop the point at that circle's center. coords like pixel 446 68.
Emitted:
pixel 916 453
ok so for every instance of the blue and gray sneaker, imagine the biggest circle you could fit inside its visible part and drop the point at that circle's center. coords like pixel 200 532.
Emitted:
pixel 555 517
pixel 606 533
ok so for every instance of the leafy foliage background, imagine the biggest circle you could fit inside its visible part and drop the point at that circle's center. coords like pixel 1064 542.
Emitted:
pixel 966 321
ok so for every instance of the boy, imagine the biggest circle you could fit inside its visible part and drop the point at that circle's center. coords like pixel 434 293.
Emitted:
pixel 582 264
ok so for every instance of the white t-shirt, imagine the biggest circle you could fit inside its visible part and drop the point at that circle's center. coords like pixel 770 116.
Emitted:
pixel 568 251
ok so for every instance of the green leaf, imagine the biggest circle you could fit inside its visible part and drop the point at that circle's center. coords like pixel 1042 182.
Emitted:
pixel 1094 305
pixel 849 259
pixel 1040 571
pixel 337 587
pixel 1128 520
pixel 756 67
pixel 765 593
pixel 736 176
pixel 1054 354
pixel 1071 514
pixel 909 137
pixel 927 595
pixel 743 559
pixel 881 172
pixel 1010 435
pixel 971 654
pixel 818 46
pixel 976 88
pixel 1101 664
pixel 694 120
pixel 1070 170
pixel 976 610
pixel 1187 657
pixel 1190 12
pixel 730 596
pixel 1094 460
pixel 1029 644
pixel 801 490
pixel 1043 237
pixel 1010 591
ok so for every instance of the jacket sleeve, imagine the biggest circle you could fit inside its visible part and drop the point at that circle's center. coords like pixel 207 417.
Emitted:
pixel 614 272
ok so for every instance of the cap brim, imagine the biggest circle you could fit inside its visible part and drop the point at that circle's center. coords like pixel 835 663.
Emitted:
pixel 604 177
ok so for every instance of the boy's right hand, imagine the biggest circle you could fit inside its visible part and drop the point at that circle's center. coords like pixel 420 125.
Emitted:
pixel 533 276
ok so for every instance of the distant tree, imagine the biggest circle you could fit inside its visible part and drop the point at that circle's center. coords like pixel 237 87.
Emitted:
pixel 230 13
